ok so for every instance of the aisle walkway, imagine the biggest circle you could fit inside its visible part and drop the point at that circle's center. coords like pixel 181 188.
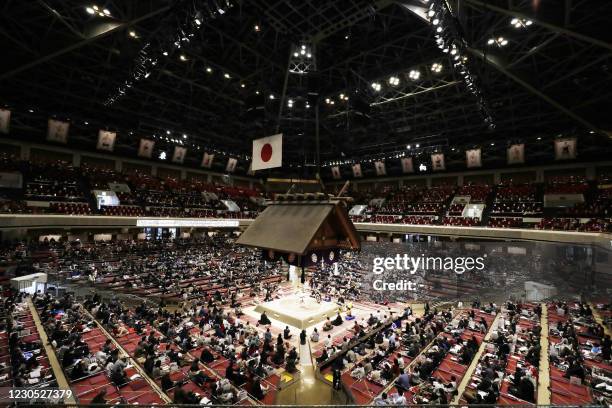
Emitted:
pixel 62 382
pixel 544 373
pixel 467 377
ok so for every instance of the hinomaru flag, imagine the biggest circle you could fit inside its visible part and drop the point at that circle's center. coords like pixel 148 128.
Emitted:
pixel 106 140
pixel 5 120
pixel 336 172
pixel 407 165
pixel 380 168
pixel 472 158
pixel 57 131
pixel 146 148
pixel 357 170
pixel 179 154
pixel 565 149
pixel 268 152
pixel 231 165
pixel 437 162
pixel 516 154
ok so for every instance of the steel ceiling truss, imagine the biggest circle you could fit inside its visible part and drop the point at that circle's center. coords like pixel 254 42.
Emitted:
pixel 547 80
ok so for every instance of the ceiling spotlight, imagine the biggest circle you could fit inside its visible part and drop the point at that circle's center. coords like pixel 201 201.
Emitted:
pixel 256 92
pixel 226 76
pixel 31 110
pixel 184 136
pixel 165 53
pixel 376 86
pixel 106 12
pixel 303 52
pixel 162 156
pixel 271 96
pixel 439 29
pixel 417 145
pixel 197 21
pixel 209 70
pixel 394 81
pixel 435 21
pixel 309 55
pixel 290 103
pixel 499 41
pixel 520 23
pixel 295 54
pixel 414 74
pixel 539 138
pixel 242 85
pixel 183 57
pixel 256 28
pixel 133 34
pixel 436 67
pixel 431 13
pixel 327 100
pixel 167 132
pixel 408 147
pixel 90 10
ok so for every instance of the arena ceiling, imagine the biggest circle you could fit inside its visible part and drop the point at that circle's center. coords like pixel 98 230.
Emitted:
pixel 547 72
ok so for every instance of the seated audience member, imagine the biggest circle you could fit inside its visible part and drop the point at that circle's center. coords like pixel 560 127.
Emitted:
pixel 314 337
pixel 327 326
pixel 338 320
pixel 258 390
pixel 264 320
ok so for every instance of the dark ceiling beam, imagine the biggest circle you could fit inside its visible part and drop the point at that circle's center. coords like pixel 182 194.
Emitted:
pixel 350 20
pixel 61 18
pixel 552 27
pixel 534 50
pixel 242 44
pixel 501 68
pixel 202 87
pixel 578 70
pixel 113 28
pixel 347 61
pixel 415 93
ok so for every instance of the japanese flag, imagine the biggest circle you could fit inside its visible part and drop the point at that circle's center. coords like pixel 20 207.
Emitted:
pixel 268 152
